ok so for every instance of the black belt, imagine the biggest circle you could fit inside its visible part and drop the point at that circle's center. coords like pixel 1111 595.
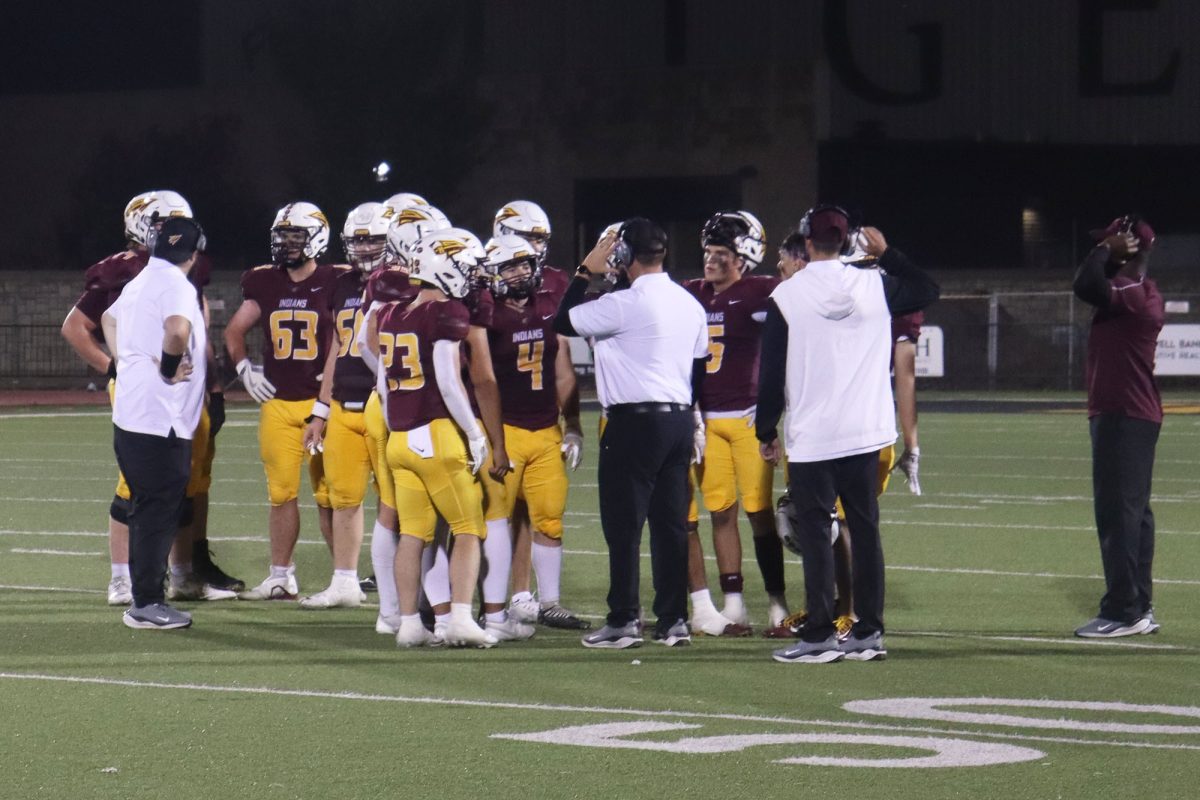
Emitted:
pixel 645 408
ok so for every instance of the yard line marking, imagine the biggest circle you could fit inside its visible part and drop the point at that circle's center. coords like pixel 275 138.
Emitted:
pixel 1050 640
pixel 948 506
pixel 49 414
pixel 34 551
pixel 556 708
pixel 1007 526
pixel 67 589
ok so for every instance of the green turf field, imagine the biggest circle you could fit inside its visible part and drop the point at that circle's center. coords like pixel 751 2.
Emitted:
pixel 989 572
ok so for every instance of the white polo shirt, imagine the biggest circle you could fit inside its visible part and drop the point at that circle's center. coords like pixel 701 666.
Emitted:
pixel 646 338
pixel 144 402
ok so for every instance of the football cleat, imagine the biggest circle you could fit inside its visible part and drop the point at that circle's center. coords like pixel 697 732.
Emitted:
pixel 273 589
pixel 510 630
pixel 120 591
pixel 387 625
pixel 524 608
pixel 207 571
pixel 341 593
pixel 777 611
pixel 192 588
pixel 368 584
pixel 790 628
pixel 842 626
pixel 555 616
pixel 412 633
pixel 736 613
pixel 467 633
pixel 714 623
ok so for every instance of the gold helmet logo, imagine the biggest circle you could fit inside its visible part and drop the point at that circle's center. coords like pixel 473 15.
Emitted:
pixel 136 205
pixel 174 239
pixel 319 216
pixel 449 247
pixel 508 212
pixel 411 215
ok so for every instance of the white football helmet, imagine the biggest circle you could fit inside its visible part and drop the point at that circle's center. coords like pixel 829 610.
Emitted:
pixel 398 202
pixel 364 236
pixel 504 252
pixel 856 254
pixel 408 227
pixel 149 209
pixel 448 260
pixel 741 232
pixel 300 232
pixel 611 261
pixel 525 219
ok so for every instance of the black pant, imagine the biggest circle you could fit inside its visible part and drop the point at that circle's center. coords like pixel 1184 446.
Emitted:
pixel 813 487
pixel 157 469
pixel 643 476
pixel 1122 465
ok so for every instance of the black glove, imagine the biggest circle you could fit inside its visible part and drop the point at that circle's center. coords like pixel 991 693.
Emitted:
pixel 216 412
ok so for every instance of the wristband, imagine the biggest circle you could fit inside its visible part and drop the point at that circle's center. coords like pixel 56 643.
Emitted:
pixel 319 410
pixel 168 365
pixel 244 365
pixel 583 272
pixel 111 372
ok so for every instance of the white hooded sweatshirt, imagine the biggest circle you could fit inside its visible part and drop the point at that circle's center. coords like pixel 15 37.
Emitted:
pixel 839 346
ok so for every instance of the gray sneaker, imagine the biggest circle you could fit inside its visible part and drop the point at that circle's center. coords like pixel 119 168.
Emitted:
pixel 1101 628
pixel 1153 626
pixel 156 617
pixel 615 638
pixel 803 652
pixel 677 635
pixel 867 648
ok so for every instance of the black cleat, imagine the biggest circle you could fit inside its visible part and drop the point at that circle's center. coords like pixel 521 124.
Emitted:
pixel 368 584
pixel 556 616
pixel 208 572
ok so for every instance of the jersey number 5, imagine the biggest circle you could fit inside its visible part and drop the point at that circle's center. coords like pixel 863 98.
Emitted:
pixel 283 337
pixel 716 350
pixel 348 322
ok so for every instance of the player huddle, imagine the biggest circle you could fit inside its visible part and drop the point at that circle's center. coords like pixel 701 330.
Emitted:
pixel 429 366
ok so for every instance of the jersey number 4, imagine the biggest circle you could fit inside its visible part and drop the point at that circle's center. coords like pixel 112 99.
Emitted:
pixel 529 359
pixel 407 347
pixel 284 335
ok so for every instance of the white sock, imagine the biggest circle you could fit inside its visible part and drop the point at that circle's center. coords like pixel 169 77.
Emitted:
pixel 702 601
pixel 496 616
pixel 497 549
pixel 547 566
pixel 519 597
pixel 734 605
pixel 281 572
pixel 437 579
pixel 442 618
pixel 383 559
pixel 346 575
pixel 461 613
pixel 120 570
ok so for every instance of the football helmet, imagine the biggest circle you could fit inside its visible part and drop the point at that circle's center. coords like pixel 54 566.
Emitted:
pixel 506 253
pixel 855 253
pixel 409 226
pixel 403 200
pixel 300 232
pixel 364 236
pixel 149 209
pixel 741 232
pixel 448 260
pixel 611 261
pixel 525 219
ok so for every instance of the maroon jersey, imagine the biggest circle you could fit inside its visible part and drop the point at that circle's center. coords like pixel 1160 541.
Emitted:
pixel 389 286
pixel 907 328
pixel 406 337
pixel 200 275
pixel 352 379
pixel 734 329
pixel 297 326
pixel 555 281
pixel 103 282
pixel 524 351
pixel 1121 348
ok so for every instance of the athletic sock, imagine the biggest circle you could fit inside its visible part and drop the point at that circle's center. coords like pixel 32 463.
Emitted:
pixel 280 572
pixel 120 570
pixel 497 549
pixel 496 616
pixel 437 579
pixel 547 566
pixel 461 613
pixel 768 551
pixel 702 601
pixel 383 559
pixel 346 574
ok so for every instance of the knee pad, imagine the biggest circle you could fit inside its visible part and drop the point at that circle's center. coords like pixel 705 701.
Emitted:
pixel 119 509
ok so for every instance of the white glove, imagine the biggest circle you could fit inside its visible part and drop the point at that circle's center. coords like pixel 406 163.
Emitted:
pixel 572 449
pixel 909 464
pixel 698 438
pixel 255 382
pixel 478 445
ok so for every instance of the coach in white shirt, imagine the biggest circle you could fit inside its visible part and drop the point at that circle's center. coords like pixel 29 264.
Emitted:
pixel 651 343
pixel 156 332
pixel 826 348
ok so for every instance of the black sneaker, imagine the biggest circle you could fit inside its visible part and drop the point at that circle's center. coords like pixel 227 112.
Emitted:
pixel 555 616
pixel 615 638
pixel 677 635
pixel 156 617
pixel 368 584
pixel 208 572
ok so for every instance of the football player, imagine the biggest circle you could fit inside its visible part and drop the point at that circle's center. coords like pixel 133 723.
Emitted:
pixel 429 414
pixel 537 383
pixel 290 300
pixel 195 576
pixel 736 303
pixel 338 425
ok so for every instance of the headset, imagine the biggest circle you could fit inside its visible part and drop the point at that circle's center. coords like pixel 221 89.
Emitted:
pixel 805 227
pixel 622 253
pixel 201 239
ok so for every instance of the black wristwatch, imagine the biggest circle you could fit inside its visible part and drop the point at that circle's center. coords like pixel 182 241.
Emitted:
pixel 583 272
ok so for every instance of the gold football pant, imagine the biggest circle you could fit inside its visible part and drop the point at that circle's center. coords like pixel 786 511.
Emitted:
pixel 281 446
pixel 377 429
pixel 350 457
pixel 539 476
pixel 733 466
pixel 431 476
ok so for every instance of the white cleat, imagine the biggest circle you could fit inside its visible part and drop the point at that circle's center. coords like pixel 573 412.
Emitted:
pixel 273 589
pixel 524 609
pixel 339 594
pixel 711 623
pixel 387 625
pixel 510 630
pixel 412 633
pixel 192 588
pixel 468 634
pixel 120 592
pixel 736 613
pixel 439 634
pixel 777 612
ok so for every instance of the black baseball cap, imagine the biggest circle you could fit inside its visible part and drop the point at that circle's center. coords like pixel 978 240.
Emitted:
pixel 178 239
pixel 644 237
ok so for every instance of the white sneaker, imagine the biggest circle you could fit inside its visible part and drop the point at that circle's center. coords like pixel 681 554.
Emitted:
pixel 387 625
pixel 468 634
pixel 777 612
pixel 340 594
pixel 120 592
pixel 710 622
pixel 525 609
pixel 510 630
pixel 412 633
pixel 273 589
